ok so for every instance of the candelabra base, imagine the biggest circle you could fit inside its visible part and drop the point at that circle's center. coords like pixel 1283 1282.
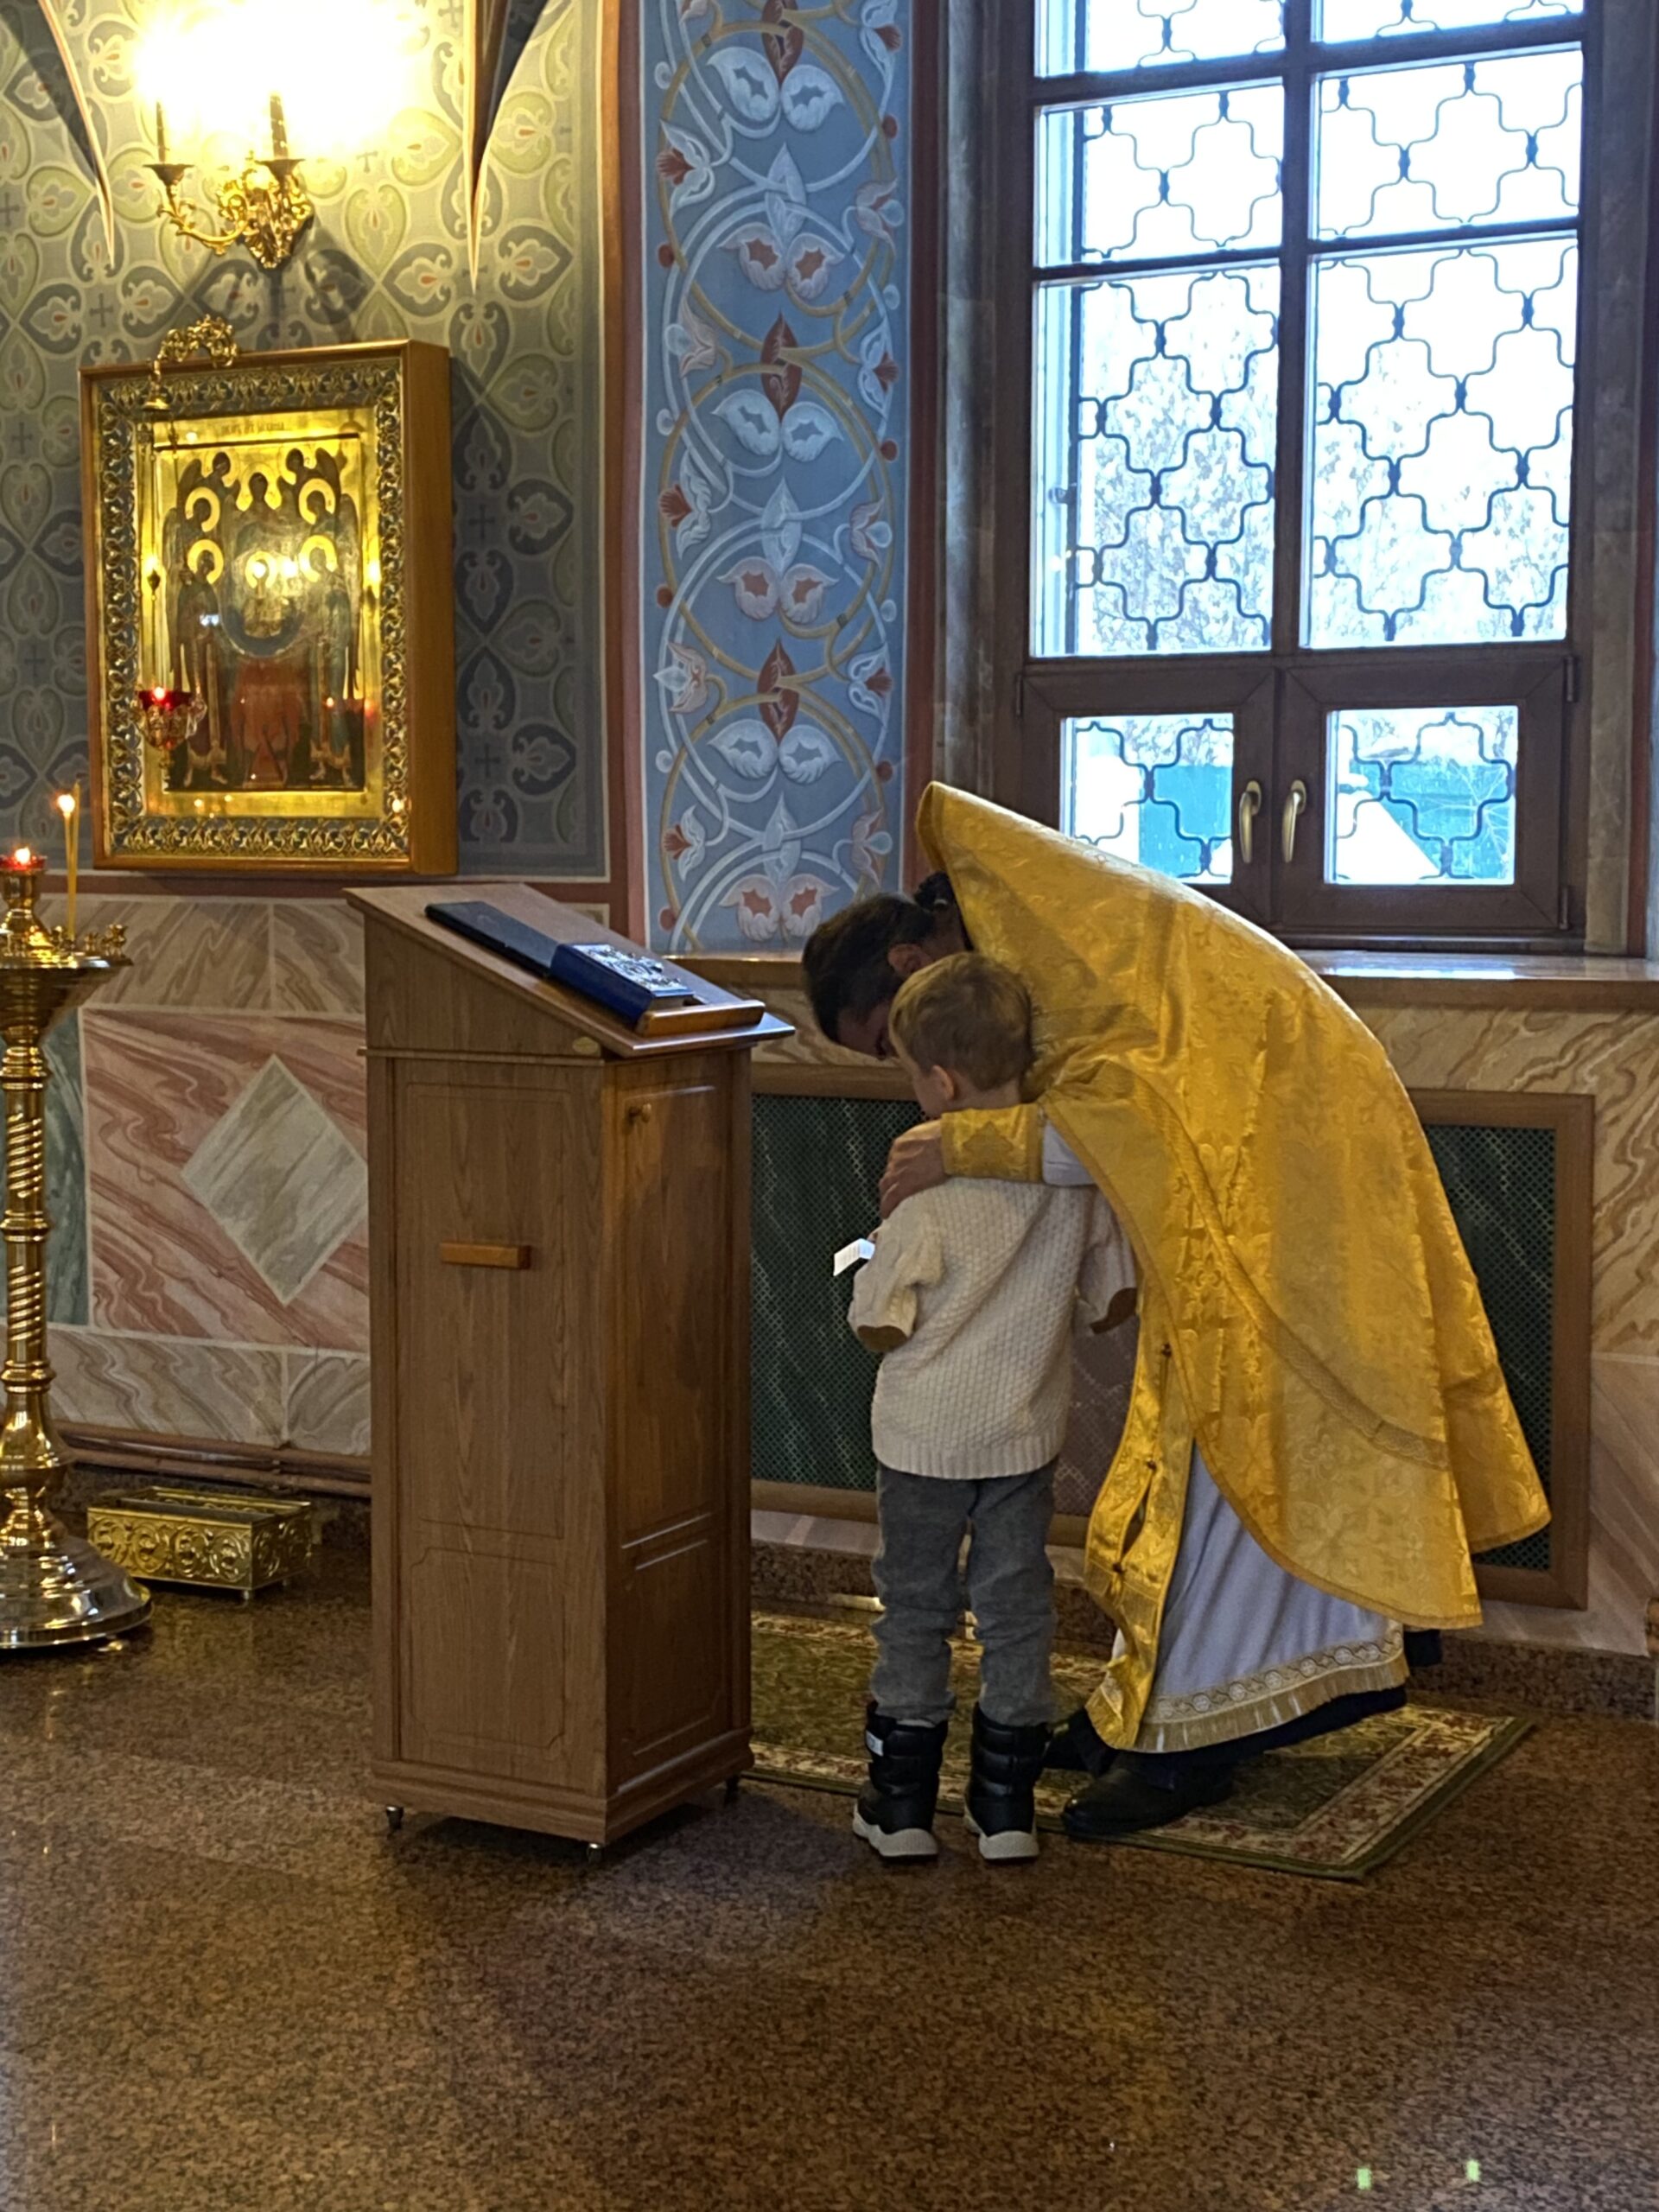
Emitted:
pixel 54 1588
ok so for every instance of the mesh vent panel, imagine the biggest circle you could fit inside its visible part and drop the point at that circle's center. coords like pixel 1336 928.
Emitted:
pixel 818 1166
pixel 1501 1184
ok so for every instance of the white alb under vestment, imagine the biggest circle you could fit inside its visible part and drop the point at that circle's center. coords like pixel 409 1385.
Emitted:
pixel 1245 1646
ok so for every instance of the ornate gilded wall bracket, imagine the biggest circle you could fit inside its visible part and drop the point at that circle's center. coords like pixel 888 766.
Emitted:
pixel 263 206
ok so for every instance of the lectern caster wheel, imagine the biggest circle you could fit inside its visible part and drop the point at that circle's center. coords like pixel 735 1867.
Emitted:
pixel 595 1852
pixel 394 1818
pixel 734 1784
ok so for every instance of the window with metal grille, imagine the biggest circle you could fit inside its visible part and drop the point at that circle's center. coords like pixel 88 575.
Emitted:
pixel 1293 291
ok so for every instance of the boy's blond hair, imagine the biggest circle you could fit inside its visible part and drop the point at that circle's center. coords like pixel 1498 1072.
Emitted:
pixel 968 1015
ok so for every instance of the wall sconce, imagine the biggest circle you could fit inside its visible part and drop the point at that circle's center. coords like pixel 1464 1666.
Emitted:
pixel 265 212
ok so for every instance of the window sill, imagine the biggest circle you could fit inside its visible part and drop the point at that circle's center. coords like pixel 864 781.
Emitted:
pixel 1545 982
pixel 1553 982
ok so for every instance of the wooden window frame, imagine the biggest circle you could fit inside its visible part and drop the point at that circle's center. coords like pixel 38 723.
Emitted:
pixel 1243 686
pixel 1537 684
pixel 1544 908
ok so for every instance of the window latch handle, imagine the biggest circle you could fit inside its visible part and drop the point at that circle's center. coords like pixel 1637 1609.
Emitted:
pixel 1250 805
pixel 1295 805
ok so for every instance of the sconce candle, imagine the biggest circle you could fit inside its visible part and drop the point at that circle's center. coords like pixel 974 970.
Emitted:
pixel 161 134
pixel 278 129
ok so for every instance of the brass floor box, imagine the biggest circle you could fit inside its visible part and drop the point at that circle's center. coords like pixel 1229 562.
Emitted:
pixel 213 1539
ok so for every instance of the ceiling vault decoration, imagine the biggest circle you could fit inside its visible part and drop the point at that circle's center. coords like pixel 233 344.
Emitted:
pixel 59 19
pixel 497 33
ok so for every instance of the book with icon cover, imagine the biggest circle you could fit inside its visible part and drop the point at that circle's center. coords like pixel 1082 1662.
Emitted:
pixel 654 999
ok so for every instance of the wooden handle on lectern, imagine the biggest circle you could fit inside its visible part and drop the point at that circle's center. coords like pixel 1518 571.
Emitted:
pixel 485 1256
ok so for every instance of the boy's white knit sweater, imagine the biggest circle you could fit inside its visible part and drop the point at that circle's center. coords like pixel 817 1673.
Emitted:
pixel 972 1297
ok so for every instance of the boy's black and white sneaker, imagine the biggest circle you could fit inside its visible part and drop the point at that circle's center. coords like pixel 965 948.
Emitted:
pixel 999 1805
pixel 895 1808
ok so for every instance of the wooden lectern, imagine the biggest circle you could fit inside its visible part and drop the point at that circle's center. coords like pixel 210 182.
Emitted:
pixel 559 1238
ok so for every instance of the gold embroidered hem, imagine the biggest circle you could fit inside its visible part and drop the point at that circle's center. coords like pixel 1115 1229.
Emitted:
pixel 1277 1694
pixel 1135 1531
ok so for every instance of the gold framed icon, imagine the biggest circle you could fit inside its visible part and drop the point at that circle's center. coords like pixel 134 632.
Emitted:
pixel 270 609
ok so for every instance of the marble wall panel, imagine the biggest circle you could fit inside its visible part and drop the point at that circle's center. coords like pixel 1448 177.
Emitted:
pixel 173 1303
pixel 327 1402
pixel 807 1047
pixel 282 1178
pixel 191 1334
pixel 163 1386
pixel 65 1176
pixel 1615 1059
pixel 158 1084
pixel 1623 1521
pixel 316 958
pixel 210 955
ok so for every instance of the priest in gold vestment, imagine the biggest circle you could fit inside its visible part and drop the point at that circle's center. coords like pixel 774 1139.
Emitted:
pixel 1318 1434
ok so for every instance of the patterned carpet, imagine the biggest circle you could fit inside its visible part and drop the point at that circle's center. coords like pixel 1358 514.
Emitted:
pixel 1336 1808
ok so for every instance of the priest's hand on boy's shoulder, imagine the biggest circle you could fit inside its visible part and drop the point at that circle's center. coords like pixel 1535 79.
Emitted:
pixel 915 1163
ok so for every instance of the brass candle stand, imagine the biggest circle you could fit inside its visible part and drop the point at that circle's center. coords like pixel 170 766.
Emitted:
pixel 54 1588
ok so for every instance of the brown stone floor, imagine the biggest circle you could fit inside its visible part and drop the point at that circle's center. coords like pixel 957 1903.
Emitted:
pixel 224 1988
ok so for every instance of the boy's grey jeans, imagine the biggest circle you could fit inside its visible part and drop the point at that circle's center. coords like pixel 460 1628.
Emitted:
pixel 1010 1587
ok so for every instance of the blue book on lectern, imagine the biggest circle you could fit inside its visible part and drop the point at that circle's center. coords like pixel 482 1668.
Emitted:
pixel 631 984
pixel 645 993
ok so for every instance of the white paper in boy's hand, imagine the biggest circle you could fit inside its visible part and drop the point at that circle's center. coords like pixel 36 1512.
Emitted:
pixel 854 1255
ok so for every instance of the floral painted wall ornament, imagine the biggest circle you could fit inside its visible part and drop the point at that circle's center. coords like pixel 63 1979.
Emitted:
pixel 773 496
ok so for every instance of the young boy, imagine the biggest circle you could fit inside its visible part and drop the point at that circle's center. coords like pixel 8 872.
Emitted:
pixel 970 1298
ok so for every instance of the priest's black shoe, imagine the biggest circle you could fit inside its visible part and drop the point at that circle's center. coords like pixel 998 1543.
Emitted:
pixel 1125 1800
pixel 1074 1748
pixel 894 1813
pixel 1000 1803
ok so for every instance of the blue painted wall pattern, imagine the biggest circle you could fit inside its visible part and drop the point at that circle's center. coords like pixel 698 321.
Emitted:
pixel 773 478
pixel 386 257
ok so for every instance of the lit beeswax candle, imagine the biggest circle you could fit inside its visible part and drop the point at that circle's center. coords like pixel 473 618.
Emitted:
pixel 69 808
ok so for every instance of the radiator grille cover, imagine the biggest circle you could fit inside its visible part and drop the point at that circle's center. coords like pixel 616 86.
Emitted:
pixel 818 1162
pixel 1501 1184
